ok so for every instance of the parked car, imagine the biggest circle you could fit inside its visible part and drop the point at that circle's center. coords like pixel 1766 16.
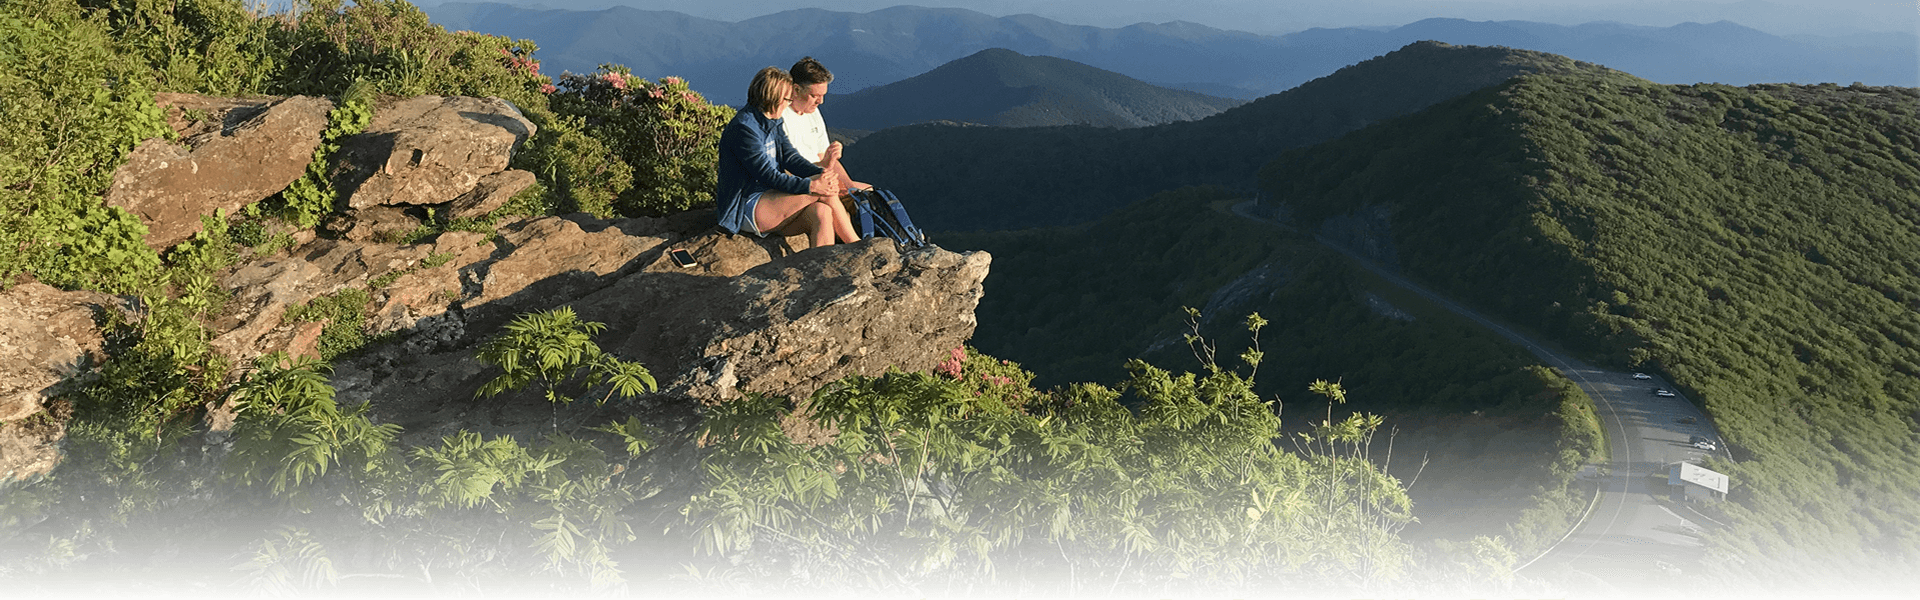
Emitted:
pixel 1701 443
pixel 1642 376
pixel 1687 420
pixel 1663 393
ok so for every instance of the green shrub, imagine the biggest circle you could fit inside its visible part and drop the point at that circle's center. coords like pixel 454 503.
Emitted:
pixel 68 133
pixel 930 480
pixel 665 131
pixel 581 173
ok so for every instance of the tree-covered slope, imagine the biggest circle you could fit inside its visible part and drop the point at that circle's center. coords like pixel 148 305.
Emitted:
pixel 974 178
pixel 1008 89
pixel 1760 245
pixel 1074 303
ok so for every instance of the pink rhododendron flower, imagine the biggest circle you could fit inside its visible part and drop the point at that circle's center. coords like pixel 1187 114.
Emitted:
pixel 690 97
pixel 671 81
pixel 547 89
pixel 616 80
pixel 657 93
pixel 951 366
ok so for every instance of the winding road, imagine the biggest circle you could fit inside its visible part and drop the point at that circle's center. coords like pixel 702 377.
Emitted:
pixel 1631 540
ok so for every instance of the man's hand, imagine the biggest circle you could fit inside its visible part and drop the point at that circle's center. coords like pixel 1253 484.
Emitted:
pixel 828 187
pixel 833 152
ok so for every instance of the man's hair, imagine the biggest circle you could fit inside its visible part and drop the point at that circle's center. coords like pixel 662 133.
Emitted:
pixel 769 90
pixel 808 72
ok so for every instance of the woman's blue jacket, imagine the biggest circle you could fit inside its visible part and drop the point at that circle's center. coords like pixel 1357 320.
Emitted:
pixel 753 153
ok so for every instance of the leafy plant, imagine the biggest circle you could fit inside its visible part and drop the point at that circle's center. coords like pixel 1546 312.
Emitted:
pixel 289 431
pixel 552 348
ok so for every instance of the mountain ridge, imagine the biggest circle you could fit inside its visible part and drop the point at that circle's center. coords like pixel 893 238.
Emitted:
pixel 1073 174
pixel 892 44
pixel 1004 88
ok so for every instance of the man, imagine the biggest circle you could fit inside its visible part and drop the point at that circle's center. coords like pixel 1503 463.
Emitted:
pixel 807 129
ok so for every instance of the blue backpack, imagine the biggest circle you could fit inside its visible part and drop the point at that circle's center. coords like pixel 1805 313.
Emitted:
pixel 880 213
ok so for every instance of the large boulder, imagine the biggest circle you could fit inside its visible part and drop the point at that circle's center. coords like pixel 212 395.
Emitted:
pixel 428 150
pixel 234 153
pixel 48 339
pixel 753 316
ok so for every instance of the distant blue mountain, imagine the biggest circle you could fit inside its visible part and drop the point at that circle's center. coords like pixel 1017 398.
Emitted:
pixel 1005 88
pixel 884 46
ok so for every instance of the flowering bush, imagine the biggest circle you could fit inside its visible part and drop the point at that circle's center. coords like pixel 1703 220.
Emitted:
pixel 987 376
pixel 666 132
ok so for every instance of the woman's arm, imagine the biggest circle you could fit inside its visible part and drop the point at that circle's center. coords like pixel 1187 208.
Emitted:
pixel 751 149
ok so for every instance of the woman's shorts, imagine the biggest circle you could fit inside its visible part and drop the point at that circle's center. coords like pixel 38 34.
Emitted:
pixel 752 204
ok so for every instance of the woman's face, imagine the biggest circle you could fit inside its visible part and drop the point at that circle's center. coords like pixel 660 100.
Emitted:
pixel 809 98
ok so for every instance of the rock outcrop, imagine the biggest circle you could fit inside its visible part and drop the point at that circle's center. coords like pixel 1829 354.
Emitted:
pixel 237 152
pixel 429 150
pixel 48 340
pixel 753 316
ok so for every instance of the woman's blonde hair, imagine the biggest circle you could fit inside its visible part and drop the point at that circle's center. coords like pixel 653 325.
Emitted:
pixel 769 90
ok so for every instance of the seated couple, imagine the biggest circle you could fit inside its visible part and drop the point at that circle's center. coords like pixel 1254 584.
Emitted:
pixel 778 173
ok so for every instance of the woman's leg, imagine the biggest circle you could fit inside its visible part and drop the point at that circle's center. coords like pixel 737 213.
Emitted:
pixel 790 214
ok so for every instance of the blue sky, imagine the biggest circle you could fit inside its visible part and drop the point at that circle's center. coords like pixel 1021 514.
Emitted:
pixel 1823 17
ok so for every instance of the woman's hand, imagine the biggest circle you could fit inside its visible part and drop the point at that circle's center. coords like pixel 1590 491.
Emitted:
pixel 825 186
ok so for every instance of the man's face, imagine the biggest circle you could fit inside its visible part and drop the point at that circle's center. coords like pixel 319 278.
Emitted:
pixel 807 99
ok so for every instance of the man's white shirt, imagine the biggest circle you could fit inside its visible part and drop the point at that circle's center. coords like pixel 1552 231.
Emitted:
pixel 808 132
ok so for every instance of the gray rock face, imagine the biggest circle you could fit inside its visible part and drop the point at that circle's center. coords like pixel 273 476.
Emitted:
pixel 428 150
pixel 46 337
pixel 253 323
pixel 242 153
pixel 490 193
pixel 753 316
pixel 47 340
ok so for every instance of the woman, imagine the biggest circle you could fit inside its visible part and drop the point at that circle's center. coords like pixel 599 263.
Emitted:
pixel 753 194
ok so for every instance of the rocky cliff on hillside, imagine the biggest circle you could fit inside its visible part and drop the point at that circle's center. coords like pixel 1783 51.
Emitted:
pixel 754 316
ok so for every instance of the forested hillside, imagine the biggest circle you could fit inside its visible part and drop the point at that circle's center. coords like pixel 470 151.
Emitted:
pixel 1760 245
pixel 973 178
pixel 178 467
pixel 1004 88
pixel 1071 302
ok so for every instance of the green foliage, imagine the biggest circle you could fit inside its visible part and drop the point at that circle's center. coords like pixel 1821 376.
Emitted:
pixel 345 315
pixel 289 431
pixel 288 564
pixel 929 481
pixel 394 45
pixel 1755 244
pixel 666 132
pixel 69 133
pixel 553 347
pixel 216 47
pixel 312 196
pixel 582 174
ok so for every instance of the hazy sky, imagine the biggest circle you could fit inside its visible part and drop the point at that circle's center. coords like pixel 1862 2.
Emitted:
pixel 1828 17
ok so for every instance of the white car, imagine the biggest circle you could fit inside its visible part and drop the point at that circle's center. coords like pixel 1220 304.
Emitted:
pixel 1642 376
pixel 1664 393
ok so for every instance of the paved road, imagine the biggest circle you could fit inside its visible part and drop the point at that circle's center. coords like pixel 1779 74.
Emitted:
pixel 1630 541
